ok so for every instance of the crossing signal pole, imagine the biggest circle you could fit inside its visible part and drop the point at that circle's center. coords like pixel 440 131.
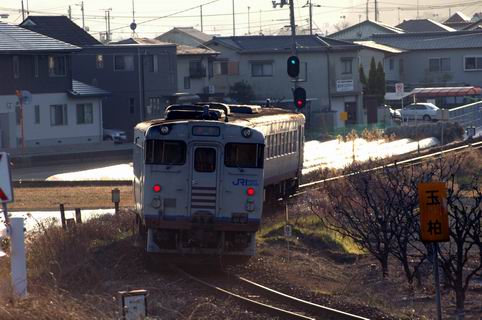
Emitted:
pixel 293 62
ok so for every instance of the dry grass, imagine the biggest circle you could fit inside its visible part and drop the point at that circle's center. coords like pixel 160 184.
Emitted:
pixel 72 197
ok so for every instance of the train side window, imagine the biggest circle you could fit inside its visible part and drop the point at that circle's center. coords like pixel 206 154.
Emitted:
pixel 205 160
pixel 290 141
pixel 268 146
pixel 244 155
pixel 165 152
pixel 295 142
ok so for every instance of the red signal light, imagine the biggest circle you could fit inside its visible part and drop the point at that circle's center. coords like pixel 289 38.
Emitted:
pixel 156 188
pixel 250 191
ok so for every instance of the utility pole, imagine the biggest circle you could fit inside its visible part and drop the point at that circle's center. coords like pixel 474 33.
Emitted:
pixel 366 10
pixel 234 23
pixel 201 9
pixel 418 13
pixel 249 25
pixel 70 12
pixel 83 16
pixel 310 6
pixel 260 30
pixel 376 10
pixel 293 29
pixel 107 24
pixel 23 12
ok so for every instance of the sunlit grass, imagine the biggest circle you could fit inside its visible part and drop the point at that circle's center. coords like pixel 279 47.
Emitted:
pixel 311 228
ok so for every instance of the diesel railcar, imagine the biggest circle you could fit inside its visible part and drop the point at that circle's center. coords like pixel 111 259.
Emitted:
pixel 201 172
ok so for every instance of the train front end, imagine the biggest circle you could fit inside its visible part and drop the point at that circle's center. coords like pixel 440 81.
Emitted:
pixel 202 188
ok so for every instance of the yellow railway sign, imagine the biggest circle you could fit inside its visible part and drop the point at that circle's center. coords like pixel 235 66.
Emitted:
pixel 434 220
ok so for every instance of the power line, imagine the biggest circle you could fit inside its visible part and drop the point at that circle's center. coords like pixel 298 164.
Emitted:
pixel 171 14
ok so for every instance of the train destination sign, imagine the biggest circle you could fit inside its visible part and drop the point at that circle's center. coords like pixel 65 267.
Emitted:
pixel 434 220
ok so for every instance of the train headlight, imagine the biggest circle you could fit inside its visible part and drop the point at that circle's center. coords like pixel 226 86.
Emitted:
pixel 250 191
pixel 164 130
pixel 156 203
pixel 156 188
pixel 246 132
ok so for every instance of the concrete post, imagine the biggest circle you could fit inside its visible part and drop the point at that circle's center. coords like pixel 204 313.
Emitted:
pixel 18 262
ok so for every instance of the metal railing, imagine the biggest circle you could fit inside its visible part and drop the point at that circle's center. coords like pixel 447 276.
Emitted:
pixel 467 115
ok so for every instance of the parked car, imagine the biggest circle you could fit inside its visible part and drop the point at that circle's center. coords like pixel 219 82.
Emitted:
pixel 421 111
pixel 118 136
pixel 394 113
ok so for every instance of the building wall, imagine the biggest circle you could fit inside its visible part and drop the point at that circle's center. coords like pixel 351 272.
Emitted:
pixel 27 80
pixel 44 133
pixel 179 38
pixel 279 85
pixel 131 91
pixel 197 85
pixel 416 68
pixel 362 31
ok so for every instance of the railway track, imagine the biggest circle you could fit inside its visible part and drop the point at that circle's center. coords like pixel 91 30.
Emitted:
pixel 313 185
pixel 267 300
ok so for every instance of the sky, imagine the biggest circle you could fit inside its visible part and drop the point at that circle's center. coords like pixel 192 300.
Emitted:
pixel 155 17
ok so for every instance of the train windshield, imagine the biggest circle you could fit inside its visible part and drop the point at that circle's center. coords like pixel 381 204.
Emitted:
pixel 165 152
pixel 244 155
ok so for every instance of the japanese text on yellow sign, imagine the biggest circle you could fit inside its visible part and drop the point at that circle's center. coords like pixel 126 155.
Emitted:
pixel 434 220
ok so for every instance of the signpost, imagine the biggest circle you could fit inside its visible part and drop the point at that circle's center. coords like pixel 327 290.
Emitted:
pixel 434 224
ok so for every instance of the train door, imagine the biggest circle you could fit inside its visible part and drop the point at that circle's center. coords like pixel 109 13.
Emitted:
pixel 204 181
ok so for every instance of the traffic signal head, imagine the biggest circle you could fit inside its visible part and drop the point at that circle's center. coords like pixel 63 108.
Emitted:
pixel 293 66
pixel 299 97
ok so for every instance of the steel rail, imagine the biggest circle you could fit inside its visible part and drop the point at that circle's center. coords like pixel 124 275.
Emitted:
pixel 310 185
pixel 317 310
pixel 327 311
pixel 267 307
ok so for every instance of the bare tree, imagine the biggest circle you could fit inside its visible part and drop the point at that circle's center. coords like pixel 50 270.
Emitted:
pixel 461 257
pixel 356 208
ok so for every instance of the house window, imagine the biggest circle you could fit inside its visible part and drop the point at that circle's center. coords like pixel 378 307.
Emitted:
pixel 99 61
pixel 187 83
pixel 346 65
pixel 57 66
pixel 152 63
pixel 473 63
pixel 391 64
pixel 35 66
pixel 155 104
pixel 85 113
pixel 131 105
pixel 196 69
pixel 58 115
pixel 438 64
pixel 262 69
pixel 37 114
pixel 16 67
pixel 124 63
pixel 220 68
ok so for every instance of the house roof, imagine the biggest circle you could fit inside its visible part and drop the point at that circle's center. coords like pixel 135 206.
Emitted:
pixel 180 49
pixel 377 46
pixel 423 25
pixel 201 37
pixel 447 91
pixel 431 40
pixel 457 17
pixel 14 39
pixel 60 28
pixel 269 44
pixel 80 89
pixel 384 28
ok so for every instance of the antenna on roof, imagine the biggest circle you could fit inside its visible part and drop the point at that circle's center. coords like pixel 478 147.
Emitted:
pixel 133 25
